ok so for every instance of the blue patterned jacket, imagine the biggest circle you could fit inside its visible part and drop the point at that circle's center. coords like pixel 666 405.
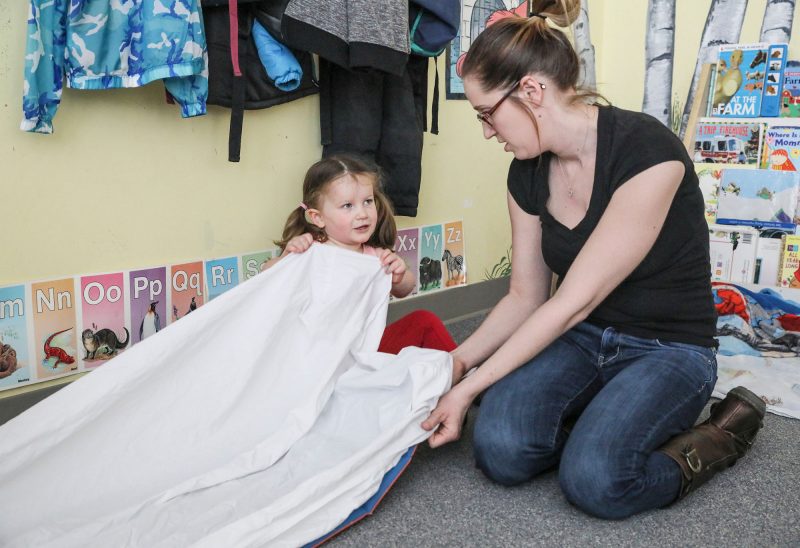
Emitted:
pixel 101 44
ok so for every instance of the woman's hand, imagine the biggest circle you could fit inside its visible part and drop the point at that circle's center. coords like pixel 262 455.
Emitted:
pixel 448 417
pixel 393 265
pixel 459 367
pixel 299 244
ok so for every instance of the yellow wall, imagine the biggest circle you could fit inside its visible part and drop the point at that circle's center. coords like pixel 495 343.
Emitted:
pixel 125 183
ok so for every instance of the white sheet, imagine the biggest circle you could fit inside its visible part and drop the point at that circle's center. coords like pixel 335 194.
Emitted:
pixel 263 418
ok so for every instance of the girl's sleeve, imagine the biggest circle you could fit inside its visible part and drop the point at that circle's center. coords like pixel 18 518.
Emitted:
pixel 44 64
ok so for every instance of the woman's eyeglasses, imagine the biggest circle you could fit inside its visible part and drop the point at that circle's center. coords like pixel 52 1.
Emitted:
pixel 485 117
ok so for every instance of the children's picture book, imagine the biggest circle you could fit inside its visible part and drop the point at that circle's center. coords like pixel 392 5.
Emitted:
pixel 790 261
pixel 15 359
pixel 727 143
pixel 455 268
pixel 773 80
pixel 221 275
pixel 709 179
pixel 148 301
pixel 54 327
pixel 187 288
pixel 739 82
pixel 104 329
pixel 732 251
pixel 430 258
pixel 781 148
pixel 758 197
pixel 407 248
pixel 790 94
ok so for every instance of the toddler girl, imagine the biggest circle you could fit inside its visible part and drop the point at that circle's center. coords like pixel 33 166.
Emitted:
pixel 343 206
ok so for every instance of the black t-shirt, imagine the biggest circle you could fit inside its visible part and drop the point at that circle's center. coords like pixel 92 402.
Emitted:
pixel 668 295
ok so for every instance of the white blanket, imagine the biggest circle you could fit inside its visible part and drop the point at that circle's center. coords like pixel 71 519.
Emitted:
pixel 263 418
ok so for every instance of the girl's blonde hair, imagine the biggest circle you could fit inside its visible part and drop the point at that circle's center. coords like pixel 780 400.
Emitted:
pixel 514 47
pixel 317 179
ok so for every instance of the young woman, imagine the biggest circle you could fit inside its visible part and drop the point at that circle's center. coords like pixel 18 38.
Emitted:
pixel 608 200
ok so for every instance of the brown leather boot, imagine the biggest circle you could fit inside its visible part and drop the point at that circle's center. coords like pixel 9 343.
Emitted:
pixel 717 443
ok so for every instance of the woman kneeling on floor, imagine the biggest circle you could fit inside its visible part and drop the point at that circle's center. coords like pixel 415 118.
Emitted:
pixel 608 200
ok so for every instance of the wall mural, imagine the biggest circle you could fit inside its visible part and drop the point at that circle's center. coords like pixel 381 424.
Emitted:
pixel 476 15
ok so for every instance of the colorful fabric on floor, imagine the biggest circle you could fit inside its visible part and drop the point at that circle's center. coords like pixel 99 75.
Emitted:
pixel 759 337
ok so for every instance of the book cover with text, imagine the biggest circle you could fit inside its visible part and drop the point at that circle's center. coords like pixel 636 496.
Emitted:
pixel 709 179
pixel 790 94
pixel 727 143
pixel 455 267
pixel 54 327
pixel 187 288
pixel 430 258
pixel 104 331
pixel 782 148
pixel 15 358
pixel 148 301
pixel 739 80
pixel 789 272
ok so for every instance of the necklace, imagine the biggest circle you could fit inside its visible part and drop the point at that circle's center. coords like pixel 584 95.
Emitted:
pixel 571 187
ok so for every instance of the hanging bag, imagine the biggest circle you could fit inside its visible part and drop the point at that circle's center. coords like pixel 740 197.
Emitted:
pixel 433 24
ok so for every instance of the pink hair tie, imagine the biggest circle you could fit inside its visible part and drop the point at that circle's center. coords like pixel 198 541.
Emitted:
pixel 303 206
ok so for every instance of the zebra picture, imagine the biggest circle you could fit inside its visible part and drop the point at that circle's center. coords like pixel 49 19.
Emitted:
pixel 454 264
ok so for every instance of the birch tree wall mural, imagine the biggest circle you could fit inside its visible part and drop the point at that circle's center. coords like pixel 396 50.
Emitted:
pixel 723 26
pixel 777 24
pixel 584 47
pixel 659 53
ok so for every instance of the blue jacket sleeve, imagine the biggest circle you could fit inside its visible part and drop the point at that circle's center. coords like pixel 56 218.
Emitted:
pixel 44 64
pixel 280 63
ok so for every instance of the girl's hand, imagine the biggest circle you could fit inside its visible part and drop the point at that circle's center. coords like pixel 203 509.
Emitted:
pixel 448 417
pixel 298 244
pixel 393 265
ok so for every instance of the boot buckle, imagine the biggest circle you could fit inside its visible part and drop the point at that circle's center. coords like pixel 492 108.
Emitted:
pixel 692 459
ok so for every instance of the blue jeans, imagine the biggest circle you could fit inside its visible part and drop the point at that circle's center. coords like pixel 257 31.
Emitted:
pixel 631 394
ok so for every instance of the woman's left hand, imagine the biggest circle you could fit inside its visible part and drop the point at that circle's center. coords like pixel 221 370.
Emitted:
pixel 393 265
pixel 448 417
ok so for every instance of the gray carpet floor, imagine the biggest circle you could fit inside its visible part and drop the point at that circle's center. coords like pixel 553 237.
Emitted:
pixel 443 500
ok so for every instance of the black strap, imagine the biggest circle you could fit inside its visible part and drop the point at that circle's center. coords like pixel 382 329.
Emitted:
pixel 237 118
pixel 435 106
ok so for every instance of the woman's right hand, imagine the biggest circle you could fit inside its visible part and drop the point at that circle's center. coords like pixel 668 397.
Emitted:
pixel 299 244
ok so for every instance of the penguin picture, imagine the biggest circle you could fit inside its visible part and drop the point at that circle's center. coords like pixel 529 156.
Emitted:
pixel 192 306
pixel 151 323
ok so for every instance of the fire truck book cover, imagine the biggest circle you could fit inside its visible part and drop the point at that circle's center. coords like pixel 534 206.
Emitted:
pixel 739 83
pixel 773 80
pixel 781 148
pixel 104 330
pixel 790 95
pixel 727 143
pixel 758 197
pixel 790 261
pixel 54 328
pixel 15 360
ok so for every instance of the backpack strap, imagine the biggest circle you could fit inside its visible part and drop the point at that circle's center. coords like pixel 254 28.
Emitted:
pixel 435 105
pixel 239 87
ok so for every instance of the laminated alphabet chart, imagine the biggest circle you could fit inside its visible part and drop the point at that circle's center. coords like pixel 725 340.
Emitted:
pixel 55 328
